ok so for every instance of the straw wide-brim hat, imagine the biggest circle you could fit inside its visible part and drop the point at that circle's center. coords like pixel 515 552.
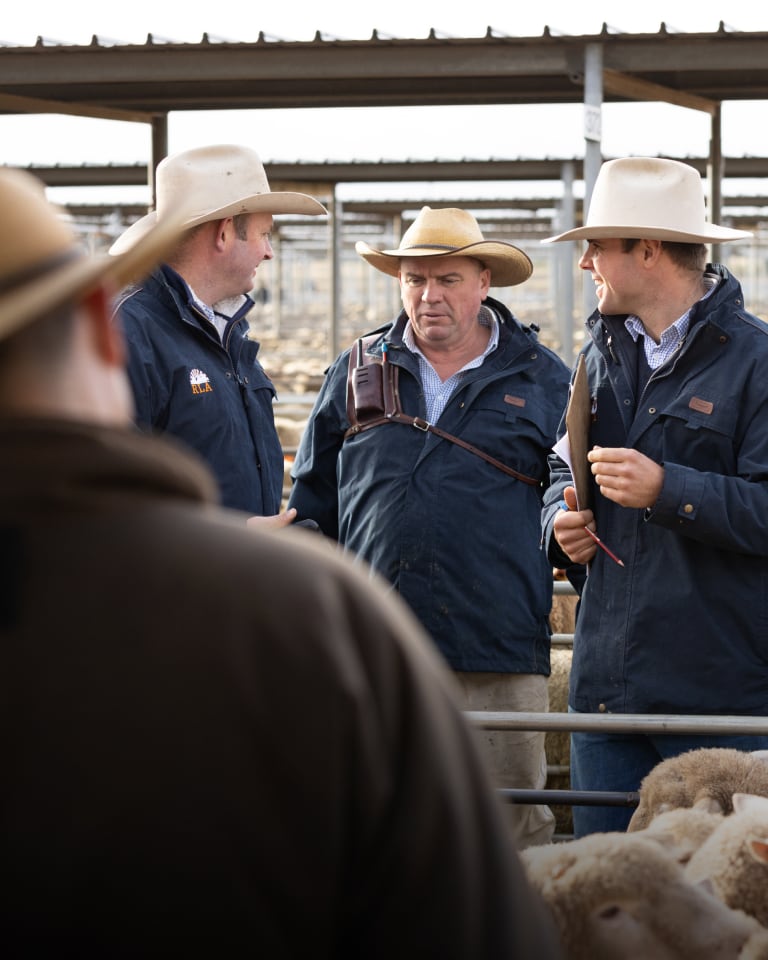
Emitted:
pixel 213 183
pixel 42 264
pixel 450 232
pixel 649 198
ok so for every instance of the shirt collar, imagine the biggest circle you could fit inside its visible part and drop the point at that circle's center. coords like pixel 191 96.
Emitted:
pixel 679 329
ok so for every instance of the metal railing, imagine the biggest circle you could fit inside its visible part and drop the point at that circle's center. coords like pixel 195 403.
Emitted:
pixel 602 722
pixel 691 725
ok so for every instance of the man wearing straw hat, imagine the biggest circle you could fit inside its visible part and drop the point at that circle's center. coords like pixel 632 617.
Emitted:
pixel 443 495
pixel 192 364
pixel 157 801
pixel 676 484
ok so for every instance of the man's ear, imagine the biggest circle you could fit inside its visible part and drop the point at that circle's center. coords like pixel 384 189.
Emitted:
pixel 107 337
pixel 651 250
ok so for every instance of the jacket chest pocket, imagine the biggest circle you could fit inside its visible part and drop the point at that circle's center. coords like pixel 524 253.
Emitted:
pixel 700 433
pixel 513 429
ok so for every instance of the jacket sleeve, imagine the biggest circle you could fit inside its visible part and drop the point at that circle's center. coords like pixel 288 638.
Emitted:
pixel 149 391
pixel 559 478
pixel 314 492
pixel 726 512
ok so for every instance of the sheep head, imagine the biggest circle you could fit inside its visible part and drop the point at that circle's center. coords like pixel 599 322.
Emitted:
pixel 622 897
pixel 734 858
pixel 703 779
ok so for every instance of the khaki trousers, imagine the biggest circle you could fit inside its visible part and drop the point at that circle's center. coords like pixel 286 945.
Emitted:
pixel 516 758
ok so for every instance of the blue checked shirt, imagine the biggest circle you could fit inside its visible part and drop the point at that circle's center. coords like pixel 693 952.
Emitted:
pixel 673 337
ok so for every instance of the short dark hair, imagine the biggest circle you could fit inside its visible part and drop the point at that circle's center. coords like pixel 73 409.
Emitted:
pixel 240 223
pixel 689 256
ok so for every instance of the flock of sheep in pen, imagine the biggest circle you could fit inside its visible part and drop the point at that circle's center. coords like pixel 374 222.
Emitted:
pixel 687 881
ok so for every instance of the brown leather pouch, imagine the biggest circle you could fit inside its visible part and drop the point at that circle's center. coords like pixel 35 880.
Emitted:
pixel 368 390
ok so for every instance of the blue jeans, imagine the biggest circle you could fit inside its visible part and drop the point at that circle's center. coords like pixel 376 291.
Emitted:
pixel 620 761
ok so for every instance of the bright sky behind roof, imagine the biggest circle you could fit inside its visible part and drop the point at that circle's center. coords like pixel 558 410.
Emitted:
pixel 388 133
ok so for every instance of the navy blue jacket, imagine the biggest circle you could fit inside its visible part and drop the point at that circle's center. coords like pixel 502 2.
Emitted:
pixel 683 626
pixel 458 538
pixel 213 396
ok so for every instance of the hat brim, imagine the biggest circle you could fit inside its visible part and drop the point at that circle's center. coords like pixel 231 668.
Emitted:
pixel 711 234
pixel 80 276
pixel 275 203
pixel 508 264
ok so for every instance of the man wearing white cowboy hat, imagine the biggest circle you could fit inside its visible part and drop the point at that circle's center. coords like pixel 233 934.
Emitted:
pixel 153 801
pixel 193 368
pixel 676 483
pixel 450 512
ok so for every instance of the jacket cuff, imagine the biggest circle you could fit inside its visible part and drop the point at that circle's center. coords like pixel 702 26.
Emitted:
pixel 681 495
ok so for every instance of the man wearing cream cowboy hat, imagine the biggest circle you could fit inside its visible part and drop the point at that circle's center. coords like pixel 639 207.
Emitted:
pixel 450 512
pixel 676 483
pixel 193 368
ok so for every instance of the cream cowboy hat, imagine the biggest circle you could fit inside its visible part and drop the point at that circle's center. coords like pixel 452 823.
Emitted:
pixel 648 198
pixel 213 183
pixel 42 264
pixel 451 233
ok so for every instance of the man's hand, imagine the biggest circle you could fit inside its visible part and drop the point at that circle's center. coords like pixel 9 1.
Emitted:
pixel 626 476
pixel 278 520
pixel 569 531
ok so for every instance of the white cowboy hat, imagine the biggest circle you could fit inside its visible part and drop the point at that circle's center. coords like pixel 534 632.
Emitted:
pixel 42 264
pixel 649 198
pixel 450 232
pixel 213 183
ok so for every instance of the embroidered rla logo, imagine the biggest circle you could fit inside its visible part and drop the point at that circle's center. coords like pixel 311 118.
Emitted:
pixel 199 381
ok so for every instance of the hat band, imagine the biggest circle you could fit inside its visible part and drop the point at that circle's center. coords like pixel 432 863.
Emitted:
pixel 431 246
pixel 38 270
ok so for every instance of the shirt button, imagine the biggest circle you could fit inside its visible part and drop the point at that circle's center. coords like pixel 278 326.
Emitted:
pixel 651 409
pixel 602 708
pixel 688 508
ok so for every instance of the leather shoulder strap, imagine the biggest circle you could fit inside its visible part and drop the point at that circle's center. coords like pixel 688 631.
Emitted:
pixel 373 399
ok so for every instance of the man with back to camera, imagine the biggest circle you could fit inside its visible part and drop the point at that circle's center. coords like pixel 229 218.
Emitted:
pixel 450 512
pixel 158 800
pixel 192 364
pixel 678 484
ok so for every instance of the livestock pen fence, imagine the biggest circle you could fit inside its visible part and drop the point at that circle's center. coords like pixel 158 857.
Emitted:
pixel 689 725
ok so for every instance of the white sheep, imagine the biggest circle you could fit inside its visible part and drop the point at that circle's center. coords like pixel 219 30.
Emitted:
pixel 734 858
pixel 620 896
pixel 706 779
pixel 682 831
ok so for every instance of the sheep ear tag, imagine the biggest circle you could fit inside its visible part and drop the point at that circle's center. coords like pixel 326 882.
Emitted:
pixel 759 850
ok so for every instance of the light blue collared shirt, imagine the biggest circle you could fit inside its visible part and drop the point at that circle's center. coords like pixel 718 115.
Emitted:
pixel 672 338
